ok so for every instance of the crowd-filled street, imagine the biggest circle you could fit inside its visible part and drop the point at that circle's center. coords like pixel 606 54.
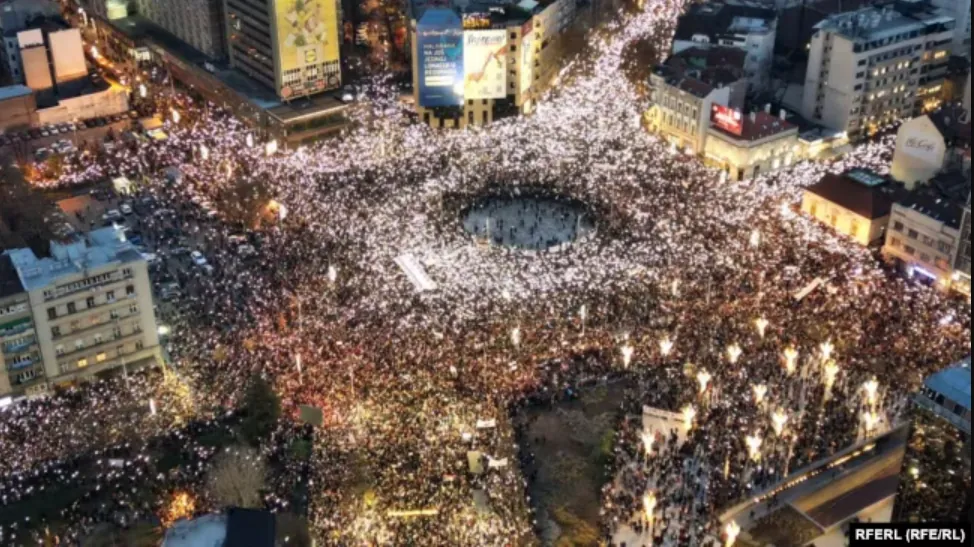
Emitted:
pixel 688 284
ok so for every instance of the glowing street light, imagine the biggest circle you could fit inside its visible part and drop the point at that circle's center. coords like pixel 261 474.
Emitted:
pixel 627 352
pixel 791 360
pixel 831 371
pixel 762 325
pixel 703 378
pixel 753 443
pixel 665 347
pixel 734 353
pixel 778 421
pixel 649 505
pixel 163 330
pixel 826 348
pixel 731 531
pixel 871 387
pixel 760 390
pixel 689 414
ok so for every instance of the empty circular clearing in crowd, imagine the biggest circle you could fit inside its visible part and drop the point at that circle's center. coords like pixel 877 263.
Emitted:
pixel 529 222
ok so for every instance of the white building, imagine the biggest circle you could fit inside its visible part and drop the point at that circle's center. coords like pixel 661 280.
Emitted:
pixel 85 310
pixel 748 26
pixel 871 67
pixel 760 143
pixel 931 144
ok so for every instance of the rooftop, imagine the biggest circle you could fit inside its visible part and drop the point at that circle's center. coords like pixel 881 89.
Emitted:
pixel 943 200
pixel 14 91
pixel 953 383
pixel 699 71
pixel 724 19
pixel 858 191
pixel 953 123
pixel 759 126
pixel 875 23
pixel 82 253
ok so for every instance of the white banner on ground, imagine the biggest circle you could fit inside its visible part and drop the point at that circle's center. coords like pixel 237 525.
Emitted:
pixel 816 283
pixel 486 424
pixel 415 273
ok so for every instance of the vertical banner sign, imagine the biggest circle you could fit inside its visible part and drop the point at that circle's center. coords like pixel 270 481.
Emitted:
pixel 307 46
pixel 439 36
pixel 485 64
pixel 527 57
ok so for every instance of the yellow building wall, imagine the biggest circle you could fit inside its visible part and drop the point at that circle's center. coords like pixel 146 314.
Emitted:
pixel 860 229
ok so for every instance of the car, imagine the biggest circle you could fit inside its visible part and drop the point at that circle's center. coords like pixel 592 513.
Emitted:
pixel 198 258
pixel 246 250
pixel 126 209
pixel 112 215
pixel 237 240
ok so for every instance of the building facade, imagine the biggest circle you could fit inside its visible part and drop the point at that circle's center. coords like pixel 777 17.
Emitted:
pixel 935 481
pixel 931 144
pixel 14 17
pixel 856 204
pixel 18 108
pixel 747 26
pixel 924 236
pixel 960 10
pixel 759 144
pixel 869 68
pixel 962 266
pixel 289 46
pixel 199 23
pixel 90 308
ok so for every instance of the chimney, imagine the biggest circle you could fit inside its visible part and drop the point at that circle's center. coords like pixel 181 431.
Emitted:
pixel 767 108
pixel 754 117
pixel 783 115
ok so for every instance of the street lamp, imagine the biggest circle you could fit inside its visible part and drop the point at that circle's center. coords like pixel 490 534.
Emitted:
pixel 826 348
pixel 703 378
pixel 760 390
pixel 689 413
pixel 830 373
pixel 734 353
pixel 871 387
pixel 753 443
pixel 731 531
pixel 762 325
pixel 627 352
pixel 791 360
pixel 665 347
pixel 778 421
pixel 516 337
pixel 755 238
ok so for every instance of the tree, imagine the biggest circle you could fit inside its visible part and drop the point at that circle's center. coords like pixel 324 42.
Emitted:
pixel 237 478
pixel 262 409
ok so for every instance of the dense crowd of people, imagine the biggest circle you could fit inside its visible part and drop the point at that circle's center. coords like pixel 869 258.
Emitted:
pixel 686 275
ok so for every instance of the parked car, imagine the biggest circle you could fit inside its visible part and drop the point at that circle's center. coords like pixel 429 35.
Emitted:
pixel 126 209
pixel 112 215
pixel 198 258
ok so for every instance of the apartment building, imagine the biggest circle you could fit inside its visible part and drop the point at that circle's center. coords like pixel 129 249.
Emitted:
pixel 962 265
pixel 750 27
pixel 89 310
pixel 199 23
pixel 871 67
pixel 925 232
pixel 685 89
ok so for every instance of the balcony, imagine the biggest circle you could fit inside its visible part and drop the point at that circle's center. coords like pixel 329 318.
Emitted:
pixel 114 340
pixel 19 347
pixel 93 327
pixel 16 327
pixel 84 311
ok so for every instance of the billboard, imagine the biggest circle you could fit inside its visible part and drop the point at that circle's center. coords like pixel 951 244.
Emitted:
pixel 485 64
pixel 527 58
pixel 439 43
pixel 728 119
pixel 307 46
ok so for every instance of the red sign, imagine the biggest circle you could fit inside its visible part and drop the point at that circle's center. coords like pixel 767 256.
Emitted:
pixel 728 119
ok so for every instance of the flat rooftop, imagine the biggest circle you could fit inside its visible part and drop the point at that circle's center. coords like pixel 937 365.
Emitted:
pixel 875 23
pixel 14 91
pixel 83 252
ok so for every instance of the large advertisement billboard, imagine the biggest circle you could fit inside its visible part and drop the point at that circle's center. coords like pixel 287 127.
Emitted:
pixel 307 38
pixel 728 119
pixel 439 42
pixel 527 57
pixel 485 64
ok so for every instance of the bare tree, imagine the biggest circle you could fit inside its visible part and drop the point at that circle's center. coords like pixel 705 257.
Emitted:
pixel 237 478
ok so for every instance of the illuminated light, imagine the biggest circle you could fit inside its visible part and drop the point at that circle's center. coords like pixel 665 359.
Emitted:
pixel 754 443
pixel 689 414
pixel 648 441
pixel 175 116
pixel 163 330
pixel 760 391
pixel 94 52
pixel 755 239
pixel 734 353
pixel 627 352
pixel 298 365
pixel 915 472
pixel 762 326
pixel 665 347
pixel 583 313
pixel 414 513
pixel 143 91
pixel 152 407
pixel 830 372
pixel 332 274
pixel 516 336
pixel 675 287
pixel 871 387
pixel 649 505
pixel 204 152
pixel 778 421
pixel 250 140
pixel 271 147
pixel 791 360
pixel 731 531
pixel 870 420
pixel 826 349
pixel 703 378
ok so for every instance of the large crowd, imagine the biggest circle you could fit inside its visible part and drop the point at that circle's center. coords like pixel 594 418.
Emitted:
pixel 410 382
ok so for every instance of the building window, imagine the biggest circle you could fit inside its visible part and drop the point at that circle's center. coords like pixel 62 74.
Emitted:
pixel 102 357
pixel 59 350
pixel 90 301
pixel 52 313
pixel 110 296
pixel 55 332
pixel 910 250
pixel 130 290
pixel 897 226
pixel 72 308
pixel 139 345
pixel 82 363
pixel 913 234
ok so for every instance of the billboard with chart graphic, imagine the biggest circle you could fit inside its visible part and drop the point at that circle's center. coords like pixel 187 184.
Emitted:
pixel 485 64
pixel 307 46
pixel 439 43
